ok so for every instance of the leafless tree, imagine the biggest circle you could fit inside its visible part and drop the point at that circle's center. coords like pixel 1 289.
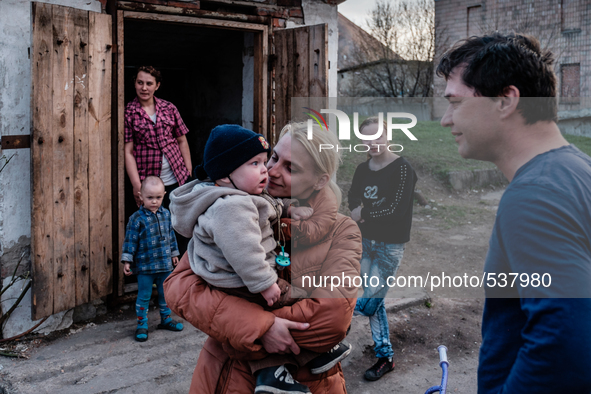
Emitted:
pixel 398 60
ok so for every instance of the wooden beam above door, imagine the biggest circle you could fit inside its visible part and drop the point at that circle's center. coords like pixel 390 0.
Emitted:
pixel 222 24
pixel 191 12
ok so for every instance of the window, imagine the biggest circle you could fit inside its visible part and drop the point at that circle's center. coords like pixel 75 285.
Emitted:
pixel 570 83
pixel 570 16
pixel 474 20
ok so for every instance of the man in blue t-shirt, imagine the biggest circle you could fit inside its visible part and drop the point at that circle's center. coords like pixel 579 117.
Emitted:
pixel 536 328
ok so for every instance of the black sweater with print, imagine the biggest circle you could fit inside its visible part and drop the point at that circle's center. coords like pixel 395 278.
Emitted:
pixel 387 198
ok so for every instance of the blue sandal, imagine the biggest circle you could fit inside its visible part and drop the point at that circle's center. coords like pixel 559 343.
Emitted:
pixel 141 334
pixel 171 326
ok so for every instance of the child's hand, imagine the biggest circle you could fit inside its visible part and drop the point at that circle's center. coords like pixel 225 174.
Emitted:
pixel 356 214
pixel 175 261
pixel 272 294
pixel 127 269
pixel 301 213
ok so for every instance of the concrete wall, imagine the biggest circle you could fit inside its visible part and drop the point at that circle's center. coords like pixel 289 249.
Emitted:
pixel 577 126
pixel 15 102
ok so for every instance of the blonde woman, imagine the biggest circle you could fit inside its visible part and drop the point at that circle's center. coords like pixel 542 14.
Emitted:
pixel 327 243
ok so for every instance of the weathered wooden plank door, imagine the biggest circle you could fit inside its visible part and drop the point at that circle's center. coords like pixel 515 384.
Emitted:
pixel 70 155
pixel 301 69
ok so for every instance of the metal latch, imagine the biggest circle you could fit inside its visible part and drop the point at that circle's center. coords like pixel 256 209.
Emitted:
pixel 15 141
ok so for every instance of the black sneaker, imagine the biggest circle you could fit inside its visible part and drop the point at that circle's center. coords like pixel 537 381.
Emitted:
pixel 379 369
pixel 326 361
pixel 278 380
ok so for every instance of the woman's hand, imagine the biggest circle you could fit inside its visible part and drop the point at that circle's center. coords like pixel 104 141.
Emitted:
pixel 136 195
pixel 356 214
pixel 278 339
pixel 134 177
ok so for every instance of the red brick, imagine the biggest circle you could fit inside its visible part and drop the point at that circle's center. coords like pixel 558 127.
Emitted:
pixel 296 12
pixel 277 13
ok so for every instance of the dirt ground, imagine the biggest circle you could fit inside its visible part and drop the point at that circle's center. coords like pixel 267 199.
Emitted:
pixel 450 236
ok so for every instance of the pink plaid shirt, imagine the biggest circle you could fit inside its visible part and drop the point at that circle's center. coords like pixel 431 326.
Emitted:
pixel 151 140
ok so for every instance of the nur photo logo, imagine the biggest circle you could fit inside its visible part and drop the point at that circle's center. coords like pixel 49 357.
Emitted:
pixel 344 129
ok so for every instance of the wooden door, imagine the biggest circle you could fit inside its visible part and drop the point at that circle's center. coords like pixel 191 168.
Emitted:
pixel 71 245
pixel 301 69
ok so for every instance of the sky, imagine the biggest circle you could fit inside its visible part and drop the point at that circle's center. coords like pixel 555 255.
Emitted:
pixel 357 11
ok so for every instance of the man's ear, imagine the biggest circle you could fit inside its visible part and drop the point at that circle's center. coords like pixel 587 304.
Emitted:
pixel 509 100
pixel 321 182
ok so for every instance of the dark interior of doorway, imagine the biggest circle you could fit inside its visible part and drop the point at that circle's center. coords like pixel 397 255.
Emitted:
pixel 202 75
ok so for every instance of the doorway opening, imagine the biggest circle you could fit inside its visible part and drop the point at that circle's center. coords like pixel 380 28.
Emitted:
pixel 208 73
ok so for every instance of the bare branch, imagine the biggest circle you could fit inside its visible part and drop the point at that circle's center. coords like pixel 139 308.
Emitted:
pixel 397 59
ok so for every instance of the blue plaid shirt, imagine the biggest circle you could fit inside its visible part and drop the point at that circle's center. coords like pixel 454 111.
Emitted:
pixel 150 242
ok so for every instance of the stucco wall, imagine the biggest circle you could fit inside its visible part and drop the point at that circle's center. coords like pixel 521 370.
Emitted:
pixel 15 102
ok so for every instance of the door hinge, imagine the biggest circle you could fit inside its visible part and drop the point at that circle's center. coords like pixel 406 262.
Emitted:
pixel 15 142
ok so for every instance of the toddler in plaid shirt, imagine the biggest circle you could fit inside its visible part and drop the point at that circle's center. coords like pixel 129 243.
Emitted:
pixel 150 245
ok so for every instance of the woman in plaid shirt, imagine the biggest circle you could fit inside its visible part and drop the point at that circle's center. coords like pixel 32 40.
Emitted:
pixel 155 141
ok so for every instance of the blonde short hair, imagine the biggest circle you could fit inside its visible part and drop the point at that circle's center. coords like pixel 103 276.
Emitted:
pixel 152 180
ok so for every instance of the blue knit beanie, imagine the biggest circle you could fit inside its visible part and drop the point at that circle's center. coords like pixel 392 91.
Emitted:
pixel 227 148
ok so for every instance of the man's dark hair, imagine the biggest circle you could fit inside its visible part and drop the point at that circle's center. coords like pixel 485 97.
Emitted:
pixel 150 70
pixel 494 62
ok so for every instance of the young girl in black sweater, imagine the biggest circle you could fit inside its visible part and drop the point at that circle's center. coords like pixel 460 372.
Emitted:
pixel 380 200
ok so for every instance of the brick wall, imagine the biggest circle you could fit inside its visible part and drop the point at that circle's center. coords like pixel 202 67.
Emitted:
pixel 563 26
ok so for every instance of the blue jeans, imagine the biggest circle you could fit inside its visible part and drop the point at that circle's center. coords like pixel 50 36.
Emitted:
pixel 379 260
pixel 144 293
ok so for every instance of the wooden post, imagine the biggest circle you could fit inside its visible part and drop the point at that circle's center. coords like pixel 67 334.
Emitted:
pixel 121 138
pixel 81 224
pixel 318 55
pixel 99 124
pixel 41 159
pixel 63 160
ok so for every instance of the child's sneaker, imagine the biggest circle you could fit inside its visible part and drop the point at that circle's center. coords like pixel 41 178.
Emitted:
pixel 326 361
pixel 379 369
pixel 278 380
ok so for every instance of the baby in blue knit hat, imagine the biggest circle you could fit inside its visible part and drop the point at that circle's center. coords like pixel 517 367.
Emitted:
pixel 235 216
pixel 230 218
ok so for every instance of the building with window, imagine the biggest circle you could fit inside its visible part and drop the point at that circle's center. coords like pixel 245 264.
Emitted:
pixel 563 26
